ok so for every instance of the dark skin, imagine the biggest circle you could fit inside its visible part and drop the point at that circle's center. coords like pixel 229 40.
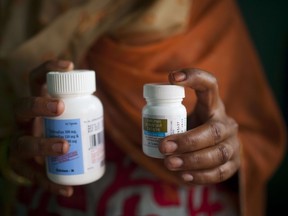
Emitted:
pixel 206 154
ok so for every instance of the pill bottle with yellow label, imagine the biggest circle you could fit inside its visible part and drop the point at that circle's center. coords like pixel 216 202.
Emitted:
pixel 163 115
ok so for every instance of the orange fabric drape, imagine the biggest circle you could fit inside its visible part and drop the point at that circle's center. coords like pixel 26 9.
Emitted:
pixel 216 41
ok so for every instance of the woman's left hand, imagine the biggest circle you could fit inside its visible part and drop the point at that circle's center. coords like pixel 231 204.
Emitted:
pixel 209 152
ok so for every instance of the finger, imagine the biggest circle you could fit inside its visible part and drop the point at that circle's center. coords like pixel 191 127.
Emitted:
pixel 211 176
pixel 203 136
pixel 204 159
pixel 39 177
pixel 28 146
pixel 30 107
pixel 205 86
pixel 38 75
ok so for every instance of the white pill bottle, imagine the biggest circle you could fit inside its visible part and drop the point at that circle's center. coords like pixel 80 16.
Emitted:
pixel 81 124
pixel 163 115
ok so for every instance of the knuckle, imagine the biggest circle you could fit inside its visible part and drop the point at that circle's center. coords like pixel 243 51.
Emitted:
pixel 40 147
pixel 213 80
pixel 193 160
pixel 233 124
pixel 190 140
pixel 223 153
pixel 210 79
pixel 216 131
pixel 221 174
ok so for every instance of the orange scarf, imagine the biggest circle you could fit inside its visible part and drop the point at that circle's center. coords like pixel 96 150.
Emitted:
pixel 216 41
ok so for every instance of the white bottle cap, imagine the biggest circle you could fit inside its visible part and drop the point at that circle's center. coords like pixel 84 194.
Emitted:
pixel 163 91
pixel 72 82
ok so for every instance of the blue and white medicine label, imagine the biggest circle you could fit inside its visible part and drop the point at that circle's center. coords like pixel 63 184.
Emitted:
pixel 70 163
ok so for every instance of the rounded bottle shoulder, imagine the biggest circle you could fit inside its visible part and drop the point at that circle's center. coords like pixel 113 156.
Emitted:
pixel 81 105
pixel 177 109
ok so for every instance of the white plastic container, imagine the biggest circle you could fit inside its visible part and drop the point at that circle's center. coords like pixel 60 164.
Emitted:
pixel 81 124
pixel 163 115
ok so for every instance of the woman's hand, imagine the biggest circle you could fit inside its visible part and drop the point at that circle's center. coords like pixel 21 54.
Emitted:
pixel 209 152
pixel 28 150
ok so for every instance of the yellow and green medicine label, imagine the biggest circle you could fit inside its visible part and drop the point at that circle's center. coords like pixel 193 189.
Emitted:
pixel 156 128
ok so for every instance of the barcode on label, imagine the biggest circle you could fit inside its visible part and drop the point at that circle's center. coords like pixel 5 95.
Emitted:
pixel 96 139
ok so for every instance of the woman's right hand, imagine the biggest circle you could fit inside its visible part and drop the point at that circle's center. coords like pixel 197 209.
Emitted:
pixel 29 148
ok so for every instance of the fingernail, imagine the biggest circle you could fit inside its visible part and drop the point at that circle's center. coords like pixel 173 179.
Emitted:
pixel 178 76
pixel 52 106
pixel 175 162
pixel 170 147
pixel 63 64
pixel 57 147
pixel 187 177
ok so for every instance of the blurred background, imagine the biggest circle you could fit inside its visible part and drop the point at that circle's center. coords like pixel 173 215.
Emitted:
pixel 267 22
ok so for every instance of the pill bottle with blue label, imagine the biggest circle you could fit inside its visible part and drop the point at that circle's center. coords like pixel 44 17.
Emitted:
pixel 163 115
pixel 81 124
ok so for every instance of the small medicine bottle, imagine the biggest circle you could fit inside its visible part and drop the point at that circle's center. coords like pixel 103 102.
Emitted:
pixel 163 115
pixel 81 124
